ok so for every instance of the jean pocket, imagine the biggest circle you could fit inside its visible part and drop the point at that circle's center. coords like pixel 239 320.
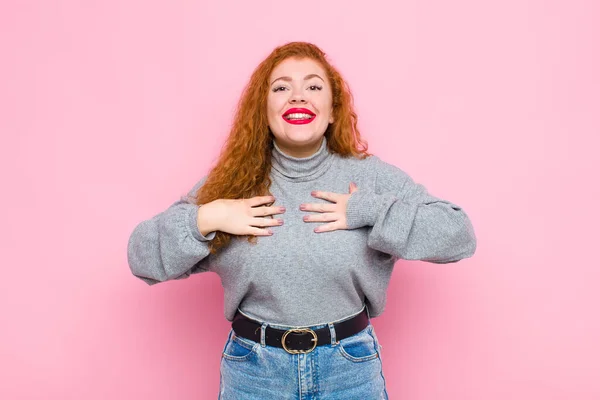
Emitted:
pixel 379 346
pixel 359 347
pixel 239 349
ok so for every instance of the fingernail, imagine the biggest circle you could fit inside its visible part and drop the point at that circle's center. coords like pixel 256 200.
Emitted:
pixel 270 232
pixel 282 209
pixel 302 206
pixel 280 222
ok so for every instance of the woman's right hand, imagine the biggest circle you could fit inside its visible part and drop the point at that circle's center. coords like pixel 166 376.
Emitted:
pixel 239 216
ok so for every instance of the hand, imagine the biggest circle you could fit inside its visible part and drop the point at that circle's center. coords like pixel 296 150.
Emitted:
pixel 239 216
pixel 335 213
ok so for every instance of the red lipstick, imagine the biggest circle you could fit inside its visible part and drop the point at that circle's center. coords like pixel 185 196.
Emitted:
pixel 301 120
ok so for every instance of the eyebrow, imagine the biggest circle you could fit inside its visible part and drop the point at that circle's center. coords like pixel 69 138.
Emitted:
pixel 288 79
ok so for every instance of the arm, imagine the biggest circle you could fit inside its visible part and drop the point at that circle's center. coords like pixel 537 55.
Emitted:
pixel 407 222
pixel 169 245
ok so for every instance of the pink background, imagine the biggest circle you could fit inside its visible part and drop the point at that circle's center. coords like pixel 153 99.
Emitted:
pixel 110 110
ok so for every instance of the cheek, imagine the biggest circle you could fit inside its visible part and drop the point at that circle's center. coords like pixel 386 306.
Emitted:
pixel 273 114
pixel 326 107
pixel 274 106
pixel 324 101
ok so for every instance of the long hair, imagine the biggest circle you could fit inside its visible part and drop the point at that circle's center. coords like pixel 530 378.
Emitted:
pixel 243 168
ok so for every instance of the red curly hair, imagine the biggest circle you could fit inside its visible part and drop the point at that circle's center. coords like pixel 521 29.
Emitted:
pixel 238 176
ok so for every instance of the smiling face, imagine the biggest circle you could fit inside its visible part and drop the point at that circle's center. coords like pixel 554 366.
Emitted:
pixel 299 106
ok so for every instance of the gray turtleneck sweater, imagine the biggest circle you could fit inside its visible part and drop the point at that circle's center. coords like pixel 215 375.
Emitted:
pixel 296 276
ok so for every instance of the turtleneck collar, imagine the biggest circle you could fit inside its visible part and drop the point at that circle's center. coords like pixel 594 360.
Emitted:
pixel 301 169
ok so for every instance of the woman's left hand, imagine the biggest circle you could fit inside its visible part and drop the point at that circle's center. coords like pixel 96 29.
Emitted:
pixel 334 213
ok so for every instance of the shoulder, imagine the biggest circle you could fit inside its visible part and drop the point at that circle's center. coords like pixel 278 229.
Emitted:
pixel 352 162
pixel 354 167
pixel 191 196
pixel 389 175
pixel 373 163
pixel 386 168
pixel 384 175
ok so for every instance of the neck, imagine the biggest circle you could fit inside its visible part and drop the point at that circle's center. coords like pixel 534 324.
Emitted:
pixel 301 168
pixel 299 151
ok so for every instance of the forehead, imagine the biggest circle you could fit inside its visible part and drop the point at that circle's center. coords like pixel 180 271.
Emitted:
pixel 297 69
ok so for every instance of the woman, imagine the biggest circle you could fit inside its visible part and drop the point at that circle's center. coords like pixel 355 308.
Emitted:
pixel 301 296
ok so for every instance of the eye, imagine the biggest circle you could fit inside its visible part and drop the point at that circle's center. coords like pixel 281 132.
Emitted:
pixel 315 87
pixel 277 88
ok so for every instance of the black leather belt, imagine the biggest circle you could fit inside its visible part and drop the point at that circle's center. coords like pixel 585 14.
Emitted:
pixel 298 340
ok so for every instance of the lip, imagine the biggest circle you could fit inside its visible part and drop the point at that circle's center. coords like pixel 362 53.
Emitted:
pixel 298 110
pixel 299 121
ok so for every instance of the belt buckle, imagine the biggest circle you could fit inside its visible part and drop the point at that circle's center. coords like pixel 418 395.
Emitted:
pixel 299 330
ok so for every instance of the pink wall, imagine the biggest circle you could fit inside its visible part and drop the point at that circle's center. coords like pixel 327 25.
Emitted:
pixel 112 109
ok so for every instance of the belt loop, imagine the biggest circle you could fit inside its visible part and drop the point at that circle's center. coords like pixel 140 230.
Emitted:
pixel 263 328
pixel 332 333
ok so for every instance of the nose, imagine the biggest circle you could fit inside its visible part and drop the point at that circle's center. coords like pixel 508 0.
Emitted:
pixel 297 97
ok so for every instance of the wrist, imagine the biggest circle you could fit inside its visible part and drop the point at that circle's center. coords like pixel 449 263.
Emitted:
pixel 205 223
pixel 364 207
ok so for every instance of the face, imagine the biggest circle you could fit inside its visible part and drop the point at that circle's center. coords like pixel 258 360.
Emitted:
pixel 299 106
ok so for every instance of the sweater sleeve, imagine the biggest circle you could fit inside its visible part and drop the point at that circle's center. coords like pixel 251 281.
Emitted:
pixel 169 245
pixel 407 222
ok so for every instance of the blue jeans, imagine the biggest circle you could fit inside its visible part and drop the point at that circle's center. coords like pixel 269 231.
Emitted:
pixel 347 369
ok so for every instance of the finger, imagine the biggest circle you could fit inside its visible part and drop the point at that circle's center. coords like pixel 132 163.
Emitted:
pixel 260 232
pixel 265 211
pixel 318 207
pixel 329 196
pixel 260 200
pixel 333 226
pixel 325 217
pixel 265 222
pixel 353 187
